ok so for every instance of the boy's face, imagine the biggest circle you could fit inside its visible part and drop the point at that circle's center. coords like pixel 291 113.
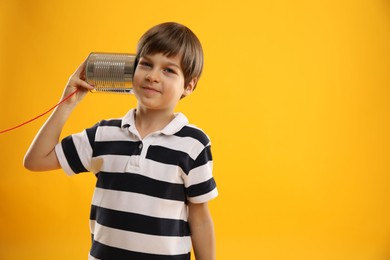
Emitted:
pixel 158 82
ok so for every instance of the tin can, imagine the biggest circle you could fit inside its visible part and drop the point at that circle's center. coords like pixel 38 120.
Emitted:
pixel 110 72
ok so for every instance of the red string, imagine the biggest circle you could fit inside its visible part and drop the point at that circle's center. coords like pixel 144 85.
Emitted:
pixel 35 118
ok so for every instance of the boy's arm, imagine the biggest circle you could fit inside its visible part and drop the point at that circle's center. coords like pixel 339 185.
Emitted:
pixel 41 155
pixel 202 231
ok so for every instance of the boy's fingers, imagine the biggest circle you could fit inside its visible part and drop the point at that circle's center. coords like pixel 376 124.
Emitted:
pixel 80 71
pixel 83 84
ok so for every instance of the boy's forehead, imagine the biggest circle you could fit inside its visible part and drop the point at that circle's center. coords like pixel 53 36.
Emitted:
pixel 176 58
pixel 167 54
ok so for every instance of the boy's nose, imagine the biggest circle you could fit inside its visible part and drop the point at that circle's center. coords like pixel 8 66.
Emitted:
pixel 152 76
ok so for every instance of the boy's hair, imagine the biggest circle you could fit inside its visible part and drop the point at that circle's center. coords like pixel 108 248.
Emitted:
pixel 172 39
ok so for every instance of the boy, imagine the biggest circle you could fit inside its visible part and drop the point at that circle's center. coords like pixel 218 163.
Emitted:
pixel 153 169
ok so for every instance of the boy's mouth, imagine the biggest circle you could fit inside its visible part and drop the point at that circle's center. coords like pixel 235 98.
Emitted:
pixel 150 90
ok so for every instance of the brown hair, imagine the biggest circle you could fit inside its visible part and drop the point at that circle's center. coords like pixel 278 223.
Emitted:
pixel 172 39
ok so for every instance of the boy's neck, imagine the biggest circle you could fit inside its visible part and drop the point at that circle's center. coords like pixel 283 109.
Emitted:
pixel 149 121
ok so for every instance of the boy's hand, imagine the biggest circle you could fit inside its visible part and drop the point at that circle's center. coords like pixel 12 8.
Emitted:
pixel 77 82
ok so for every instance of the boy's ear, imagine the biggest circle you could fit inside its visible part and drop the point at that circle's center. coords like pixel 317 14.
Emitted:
pixel 190 87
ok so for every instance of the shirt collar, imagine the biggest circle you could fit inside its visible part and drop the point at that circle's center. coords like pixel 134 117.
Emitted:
pixel 129 119
pixel 180 120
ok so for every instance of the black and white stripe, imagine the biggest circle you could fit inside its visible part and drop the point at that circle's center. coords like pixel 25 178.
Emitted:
pixel 139 206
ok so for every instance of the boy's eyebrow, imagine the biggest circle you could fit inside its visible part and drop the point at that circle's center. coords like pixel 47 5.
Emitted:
pixel 173 64
pixel 169 63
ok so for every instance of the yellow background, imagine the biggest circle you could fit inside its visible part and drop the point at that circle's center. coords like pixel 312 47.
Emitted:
pixel 294 95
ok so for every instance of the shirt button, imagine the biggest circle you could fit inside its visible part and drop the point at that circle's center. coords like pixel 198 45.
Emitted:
pixel 140 146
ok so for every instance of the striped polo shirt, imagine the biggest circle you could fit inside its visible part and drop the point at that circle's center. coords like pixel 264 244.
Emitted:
pixel 139 208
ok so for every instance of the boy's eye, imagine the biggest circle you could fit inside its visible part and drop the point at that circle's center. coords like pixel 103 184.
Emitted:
pixel 145 64
pixel 169 70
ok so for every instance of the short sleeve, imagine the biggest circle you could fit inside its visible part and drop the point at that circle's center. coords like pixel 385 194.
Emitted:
pixel 74 152
pixel 200 184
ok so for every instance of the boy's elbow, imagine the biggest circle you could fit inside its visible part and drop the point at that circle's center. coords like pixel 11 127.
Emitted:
pixel 33 164
pixel 28 163
pixel 39 164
